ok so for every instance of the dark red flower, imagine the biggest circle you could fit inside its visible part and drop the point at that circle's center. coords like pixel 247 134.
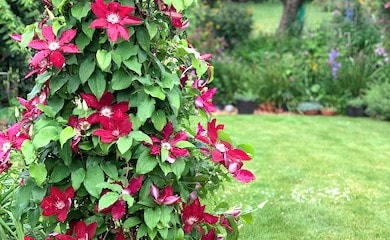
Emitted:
pixel 31 111
pixel 80 126
pixel 114 17
pixel 104 106
pixel 166 198
pixel 193 214
pixel 82 231
pixel 175 17
pixel 113 128
pixel 28 238
pixel 58 203
pixel 52 47
pixel 169 142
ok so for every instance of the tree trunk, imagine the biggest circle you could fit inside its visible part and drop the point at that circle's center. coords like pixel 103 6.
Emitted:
pixel 290 14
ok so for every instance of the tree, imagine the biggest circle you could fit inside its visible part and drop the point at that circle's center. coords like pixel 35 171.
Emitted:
pixel 290 20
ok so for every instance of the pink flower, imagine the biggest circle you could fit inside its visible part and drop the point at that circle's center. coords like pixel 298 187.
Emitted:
pixel 169 142
pixel 114 17
pixel 205 100
pixel 80 126
pixel 104 107
pixel 28 238
pixel 387 5
pixel 12 138
pixel 166 198
pixel 119 208
pixel 223 152
pixel 31 111
pixel 193 214
pixel 51 48
pixel 114 128
pixel 58 203
pixel 211 236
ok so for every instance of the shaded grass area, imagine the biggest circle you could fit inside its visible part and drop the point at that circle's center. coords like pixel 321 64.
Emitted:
pixel 267 16
pixel 323 177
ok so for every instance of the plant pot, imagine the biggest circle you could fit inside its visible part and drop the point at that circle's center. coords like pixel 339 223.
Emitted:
pixel 328 112
pixel 246 106
pixel 311 112
pixel 356 111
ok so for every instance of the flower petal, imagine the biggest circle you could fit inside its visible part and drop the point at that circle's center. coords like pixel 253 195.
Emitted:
pixel 70 48
pixel 244 176
pixel 38 45
pixel 99 23
pixel 99 8
pixel 57 59
pixel 48 34
pixel 67 36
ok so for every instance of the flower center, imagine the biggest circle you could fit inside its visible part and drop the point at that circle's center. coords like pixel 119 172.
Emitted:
pixel 106 111
pixel 115 133
pixel 191 220
pixel 43 63
pixel 54 46
pixel 84 125
pixel 166 145
pixel 113 18
pixel 60 205
pixel 220 147
pixel 6 146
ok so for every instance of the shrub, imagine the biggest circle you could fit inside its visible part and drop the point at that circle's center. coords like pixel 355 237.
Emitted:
pixel 378 100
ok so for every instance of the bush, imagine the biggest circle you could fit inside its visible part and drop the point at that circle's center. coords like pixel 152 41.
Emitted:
pixel 378 101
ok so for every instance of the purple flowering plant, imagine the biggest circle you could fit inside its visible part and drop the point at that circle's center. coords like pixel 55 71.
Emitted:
pixel 109 149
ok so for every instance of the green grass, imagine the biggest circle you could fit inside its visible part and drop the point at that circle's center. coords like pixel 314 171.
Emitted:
pixel 267 16
pixel 323 177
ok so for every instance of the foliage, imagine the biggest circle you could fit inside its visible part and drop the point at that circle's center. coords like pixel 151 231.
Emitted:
pixel 108 147
pixel 378 100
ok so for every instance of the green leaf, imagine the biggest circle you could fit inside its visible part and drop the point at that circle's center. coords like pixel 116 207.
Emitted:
pixel 38 172
pixel 28 35
pixel 103 58
pixel 97 84
pixel 77 178
pixel 133 65
pixel 140 136
pixel 129 200
pixel 80 10
pixel 152 217
pixel 110 169
pixel 248 218
pixel 126 50
pixel 131 222
pixel 121 79
pixel 44 136
pixel 28 152
pixel 185 144
pixel 165 217
pixel 73 84
pixel 146 108
pixel 42 78
pixel 93 177
pixel 152 29
pixel 82 41
pixel 59 173
pixel 124 144
pixel 143 38
pixel 174 97
pixel 142 231
pixel 164 154
pixel 178 4
pixel 86 69
pixel 66 134
pixel 48 110
pixel 155 91
pixel 107 200
pixel 247 148
pixel 145 163
pixel 159 119
pixel 57 83
pixel 87 30
pixel 112 186
pixel 168 80
pixel 178 167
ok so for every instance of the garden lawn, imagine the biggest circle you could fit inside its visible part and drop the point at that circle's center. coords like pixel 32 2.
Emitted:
pixel 266 16
pixel 323 177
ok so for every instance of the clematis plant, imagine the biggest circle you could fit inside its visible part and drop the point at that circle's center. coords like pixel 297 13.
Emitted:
pixel 110 149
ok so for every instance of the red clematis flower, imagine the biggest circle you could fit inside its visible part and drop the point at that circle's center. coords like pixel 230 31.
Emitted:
pixel 194 214
pixel 114 128
pixel 166 198
pixel 31 111
pixel 119 208
pixel 28 238
pixel 53 47
pixel 80 126
pixel 58 203
pixel 12 138
pixel 169 143
pixel 223 152
pixel 82 231
pixel 175 17
pixel 105 106
pixel 205 100
pixel 114 17
pixel 211 236
pixel 387 5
